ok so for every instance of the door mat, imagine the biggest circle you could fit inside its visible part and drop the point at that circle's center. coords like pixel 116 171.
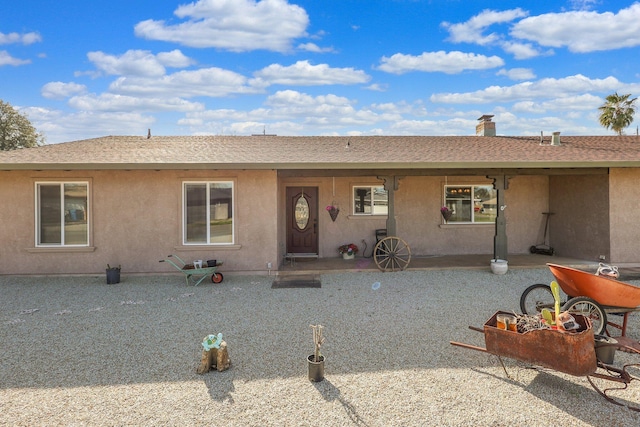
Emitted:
pixel 296 283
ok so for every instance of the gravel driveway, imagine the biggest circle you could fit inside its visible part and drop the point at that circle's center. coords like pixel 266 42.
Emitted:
pixel 76 351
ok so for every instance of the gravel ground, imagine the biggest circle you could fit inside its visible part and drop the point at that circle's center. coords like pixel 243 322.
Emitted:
pixel 76 351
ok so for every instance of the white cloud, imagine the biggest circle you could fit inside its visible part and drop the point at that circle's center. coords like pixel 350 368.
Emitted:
pixel 25 39
pixel 583 31
pixel 583 4
pixel 584 102
pixel 445 62
pixel 209 82
pixel 115 103
pixel 7 59
pixel 302 73
pixel 517 73
pixel 377 87
pixel 549 88
pixel 60 126
pixel 453 126
pixel 61 90
pixel 138 62
pixel 293 112
pixel 471 31
pixel 312 47
pixel 236 25
pixel 174 59
pixel 523 50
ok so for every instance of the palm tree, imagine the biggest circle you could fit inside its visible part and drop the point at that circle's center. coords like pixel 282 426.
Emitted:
pixel 617 113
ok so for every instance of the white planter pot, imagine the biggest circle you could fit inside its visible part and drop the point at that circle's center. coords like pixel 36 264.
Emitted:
pixel 347 256
pixel 499 266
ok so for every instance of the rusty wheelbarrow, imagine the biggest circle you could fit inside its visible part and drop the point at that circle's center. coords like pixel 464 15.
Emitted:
pixel 572 353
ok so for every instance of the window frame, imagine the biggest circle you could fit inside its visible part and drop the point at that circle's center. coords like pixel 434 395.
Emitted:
pixel 472 190
pixel 208 183
pixel 370 187
pixel 38 219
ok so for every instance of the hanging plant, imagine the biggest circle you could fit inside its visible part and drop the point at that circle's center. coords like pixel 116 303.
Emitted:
pixel 446 213
pixel 333 211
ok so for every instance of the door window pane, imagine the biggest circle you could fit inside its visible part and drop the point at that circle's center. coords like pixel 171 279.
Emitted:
pixel 302 213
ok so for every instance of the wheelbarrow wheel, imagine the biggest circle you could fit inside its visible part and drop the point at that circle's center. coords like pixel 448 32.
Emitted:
pixel 217 277
pixel 392 254
pixel 588 308
pixel 535 298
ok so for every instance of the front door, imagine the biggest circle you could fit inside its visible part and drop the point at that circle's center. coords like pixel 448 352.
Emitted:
pixel 302 220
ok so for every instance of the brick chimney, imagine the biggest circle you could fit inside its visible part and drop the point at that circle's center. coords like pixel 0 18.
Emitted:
pixel 486 127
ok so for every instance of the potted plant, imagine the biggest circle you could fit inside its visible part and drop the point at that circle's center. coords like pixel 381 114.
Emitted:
pixel 348 251
pixel 113 275
pixel 316 360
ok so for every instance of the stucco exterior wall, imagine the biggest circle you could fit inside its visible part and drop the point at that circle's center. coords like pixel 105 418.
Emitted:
pixel 579 227
pixel 135 220
pixel 624 215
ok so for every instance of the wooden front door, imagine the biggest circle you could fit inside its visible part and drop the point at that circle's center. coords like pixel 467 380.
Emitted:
pixel 302 220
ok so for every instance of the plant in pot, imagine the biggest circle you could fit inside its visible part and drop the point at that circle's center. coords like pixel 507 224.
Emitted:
pixel 316 360
pixel 348 251
pixel 113 275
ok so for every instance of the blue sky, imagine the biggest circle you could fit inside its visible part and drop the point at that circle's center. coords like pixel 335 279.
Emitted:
pixel 307 67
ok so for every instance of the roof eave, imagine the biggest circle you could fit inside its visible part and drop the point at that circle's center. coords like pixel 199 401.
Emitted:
pixel 316 166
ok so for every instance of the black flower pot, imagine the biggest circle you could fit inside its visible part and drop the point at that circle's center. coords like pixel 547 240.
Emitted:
pixel 113 276
pixel 316 369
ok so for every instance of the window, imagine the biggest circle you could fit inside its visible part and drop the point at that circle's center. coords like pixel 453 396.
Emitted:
pixel 61 211
pixel 471 203
pixel 370 200
pixel 208 213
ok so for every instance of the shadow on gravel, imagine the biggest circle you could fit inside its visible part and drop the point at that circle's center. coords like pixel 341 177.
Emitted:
pixel 330 393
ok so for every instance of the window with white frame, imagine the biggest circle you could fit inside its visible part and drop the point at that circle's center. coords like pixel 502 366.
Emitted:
pixel 470 203
pixel 208 213
pixel 62 214
pixel 370 200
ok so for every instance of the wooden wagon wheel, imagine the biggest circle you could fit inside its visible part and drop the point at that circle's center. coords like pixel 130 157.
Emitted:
pixel 392 254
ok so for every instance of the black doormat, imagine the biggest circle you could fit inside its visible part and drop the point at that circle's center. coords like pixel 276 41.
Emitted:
pixel 296 283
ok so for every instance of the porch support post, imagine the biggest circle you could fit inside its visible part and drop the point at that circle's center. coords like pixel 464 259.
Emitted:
pixel 391 184
pixel 500 184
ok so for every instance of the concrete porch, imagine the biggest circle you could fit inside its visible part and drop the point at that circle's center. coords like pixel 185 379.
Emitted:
pixel 435 262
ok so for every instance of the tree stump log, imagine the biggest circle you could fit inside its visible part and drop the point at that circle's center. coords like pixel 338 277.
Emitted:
pixel 216 358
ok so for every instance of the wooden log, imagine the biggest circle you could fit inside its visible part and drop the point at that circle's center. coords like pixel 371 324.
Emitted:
pixel 216 358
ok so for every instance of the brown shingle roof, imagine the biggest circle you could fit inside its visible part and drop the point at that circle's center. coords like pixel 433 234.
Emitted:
pixel 320 152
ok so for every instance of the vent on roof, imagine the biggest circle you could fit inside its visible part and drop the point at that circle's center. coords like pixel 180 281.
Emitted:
pixel 486 127
pixel 555 138
pixel 264 133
